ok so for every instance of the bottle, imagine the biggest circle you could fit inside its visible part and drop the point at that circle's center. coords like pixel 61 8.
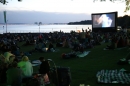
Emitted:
pixel 99 79
pixel 41 81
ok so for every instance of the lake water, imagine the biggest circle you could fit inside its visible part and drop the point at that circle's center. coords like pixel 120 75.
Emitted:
pixel 43 28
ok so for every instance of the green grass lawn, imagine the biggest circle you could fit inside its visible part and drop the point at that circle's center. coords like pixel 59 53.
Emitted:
pixel 83 70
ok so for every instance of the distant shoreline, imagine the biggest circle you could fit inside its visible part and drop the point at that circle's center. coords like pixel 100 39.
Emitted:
pixel 22 28
pixel 46 24
pixel 30 24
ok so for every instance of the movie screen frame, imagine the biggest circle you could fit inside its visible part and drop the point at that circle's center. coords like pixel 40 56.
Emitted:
pixel 110 24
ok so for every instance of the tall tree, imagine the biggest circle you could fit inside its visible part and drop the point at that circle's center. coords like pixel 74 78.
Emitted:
pixel 127 2
pixel 38 23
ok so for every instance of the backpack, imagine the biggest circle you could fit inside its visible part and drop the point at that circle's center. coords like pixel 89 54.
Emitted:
pixel 38 80
pixel 33 82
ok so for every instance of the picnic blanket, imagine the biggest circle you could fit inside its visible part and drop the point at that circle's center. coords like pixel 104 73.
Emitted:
pixel 120 48
pixel 115 48
pixel 121 76
pixel 36 62
pixel 85 53
pixel 75 54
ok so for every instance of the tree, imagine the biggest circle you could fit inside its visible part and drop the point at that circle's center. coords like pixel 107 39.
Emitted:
pixel 38 23
pixel 127 2
pixel 5 1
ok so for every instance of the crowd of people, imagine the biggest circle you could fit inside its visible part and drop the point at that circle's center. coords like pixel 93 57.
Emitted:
pixel 15 64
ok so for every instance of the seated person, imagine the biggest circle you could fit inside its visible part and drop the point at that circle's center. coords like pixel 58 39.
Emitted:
pixel 16 53
pixel 43 45
pixel 26 67
pixel 21 54
pixel 81 48
pixel 2 59
pixel 27 42
pixel 3 69
pixel 76 47
pixel 44 69
pixel 65 43
pixel 32 41
pixel 113 44
pixel 59 44
pixel 127 41
pixel 14 75
pixel 51 47
pixel 7 56
pixel 120 42
pixel 37 46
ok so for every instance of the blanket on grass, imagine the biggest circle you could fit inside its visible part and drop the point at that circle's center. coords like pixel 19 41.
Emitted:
pixel 121 76
pixel 80 55
pixel 115 48
pixel 36 62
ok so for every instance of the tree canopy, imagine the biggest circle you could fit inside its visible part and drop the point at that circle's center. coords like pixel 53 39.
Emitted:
pixel 127 2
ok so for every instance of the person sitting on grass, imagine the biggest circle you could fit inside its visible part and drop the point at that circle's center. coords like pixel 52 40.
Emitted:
pixel 113 44
pixel 65 43
pixel 51 47
pixel 76 46
pixel 40 48
pixel 43 47
pixel 120 43
pixel 44 69
pixel 14 75
pixel 21 54
pixel 8 55
pixel 37 47
pixel 3 69
pixel 26 67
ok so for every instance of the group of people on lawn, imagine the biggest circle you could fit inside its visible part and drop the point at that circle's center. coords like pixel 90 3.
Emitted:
pixel 16 66
pixel 14 72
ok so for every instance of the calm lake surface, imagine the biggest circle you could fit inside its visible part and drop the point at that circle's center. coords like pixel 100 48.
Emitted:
pixel 42 28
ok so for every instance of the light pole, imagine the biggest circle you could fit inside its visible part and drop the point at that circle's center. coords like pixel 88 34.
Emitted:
pixel 38 25
pixel 3 29
pixel 6 25
pixel 39 28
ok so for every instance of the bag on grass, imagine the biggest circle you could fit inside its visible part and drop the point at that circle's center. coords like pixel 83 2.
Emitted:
pixel 38 80
pixel 69 55
pixel 33 82
pixel 120 62
pixel 46 79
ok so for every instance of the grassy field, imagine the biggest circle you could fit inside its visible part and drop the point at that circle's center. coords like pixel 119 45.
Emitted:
pixel 83 70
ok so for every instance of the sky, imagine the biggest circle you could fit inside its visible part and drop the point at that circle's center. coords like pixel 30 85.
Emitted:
pixel 56 11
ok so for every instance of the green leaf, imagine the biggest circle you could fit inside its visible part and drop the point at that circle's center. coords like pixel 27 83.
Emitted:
pixel 127 3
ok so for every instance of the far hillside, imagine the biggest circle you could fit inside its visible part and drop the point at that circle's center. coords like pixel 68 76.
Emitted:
pixel 122 21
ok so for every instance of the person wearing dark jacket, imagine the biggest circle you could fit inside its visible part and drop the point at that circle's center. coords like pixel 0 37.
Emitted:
pixel 44 67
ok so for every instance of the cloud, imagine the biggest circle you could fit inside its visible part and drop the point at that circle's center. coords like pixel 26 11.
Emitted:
pixel 44 17
pixel 65 6
pixel 56 11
